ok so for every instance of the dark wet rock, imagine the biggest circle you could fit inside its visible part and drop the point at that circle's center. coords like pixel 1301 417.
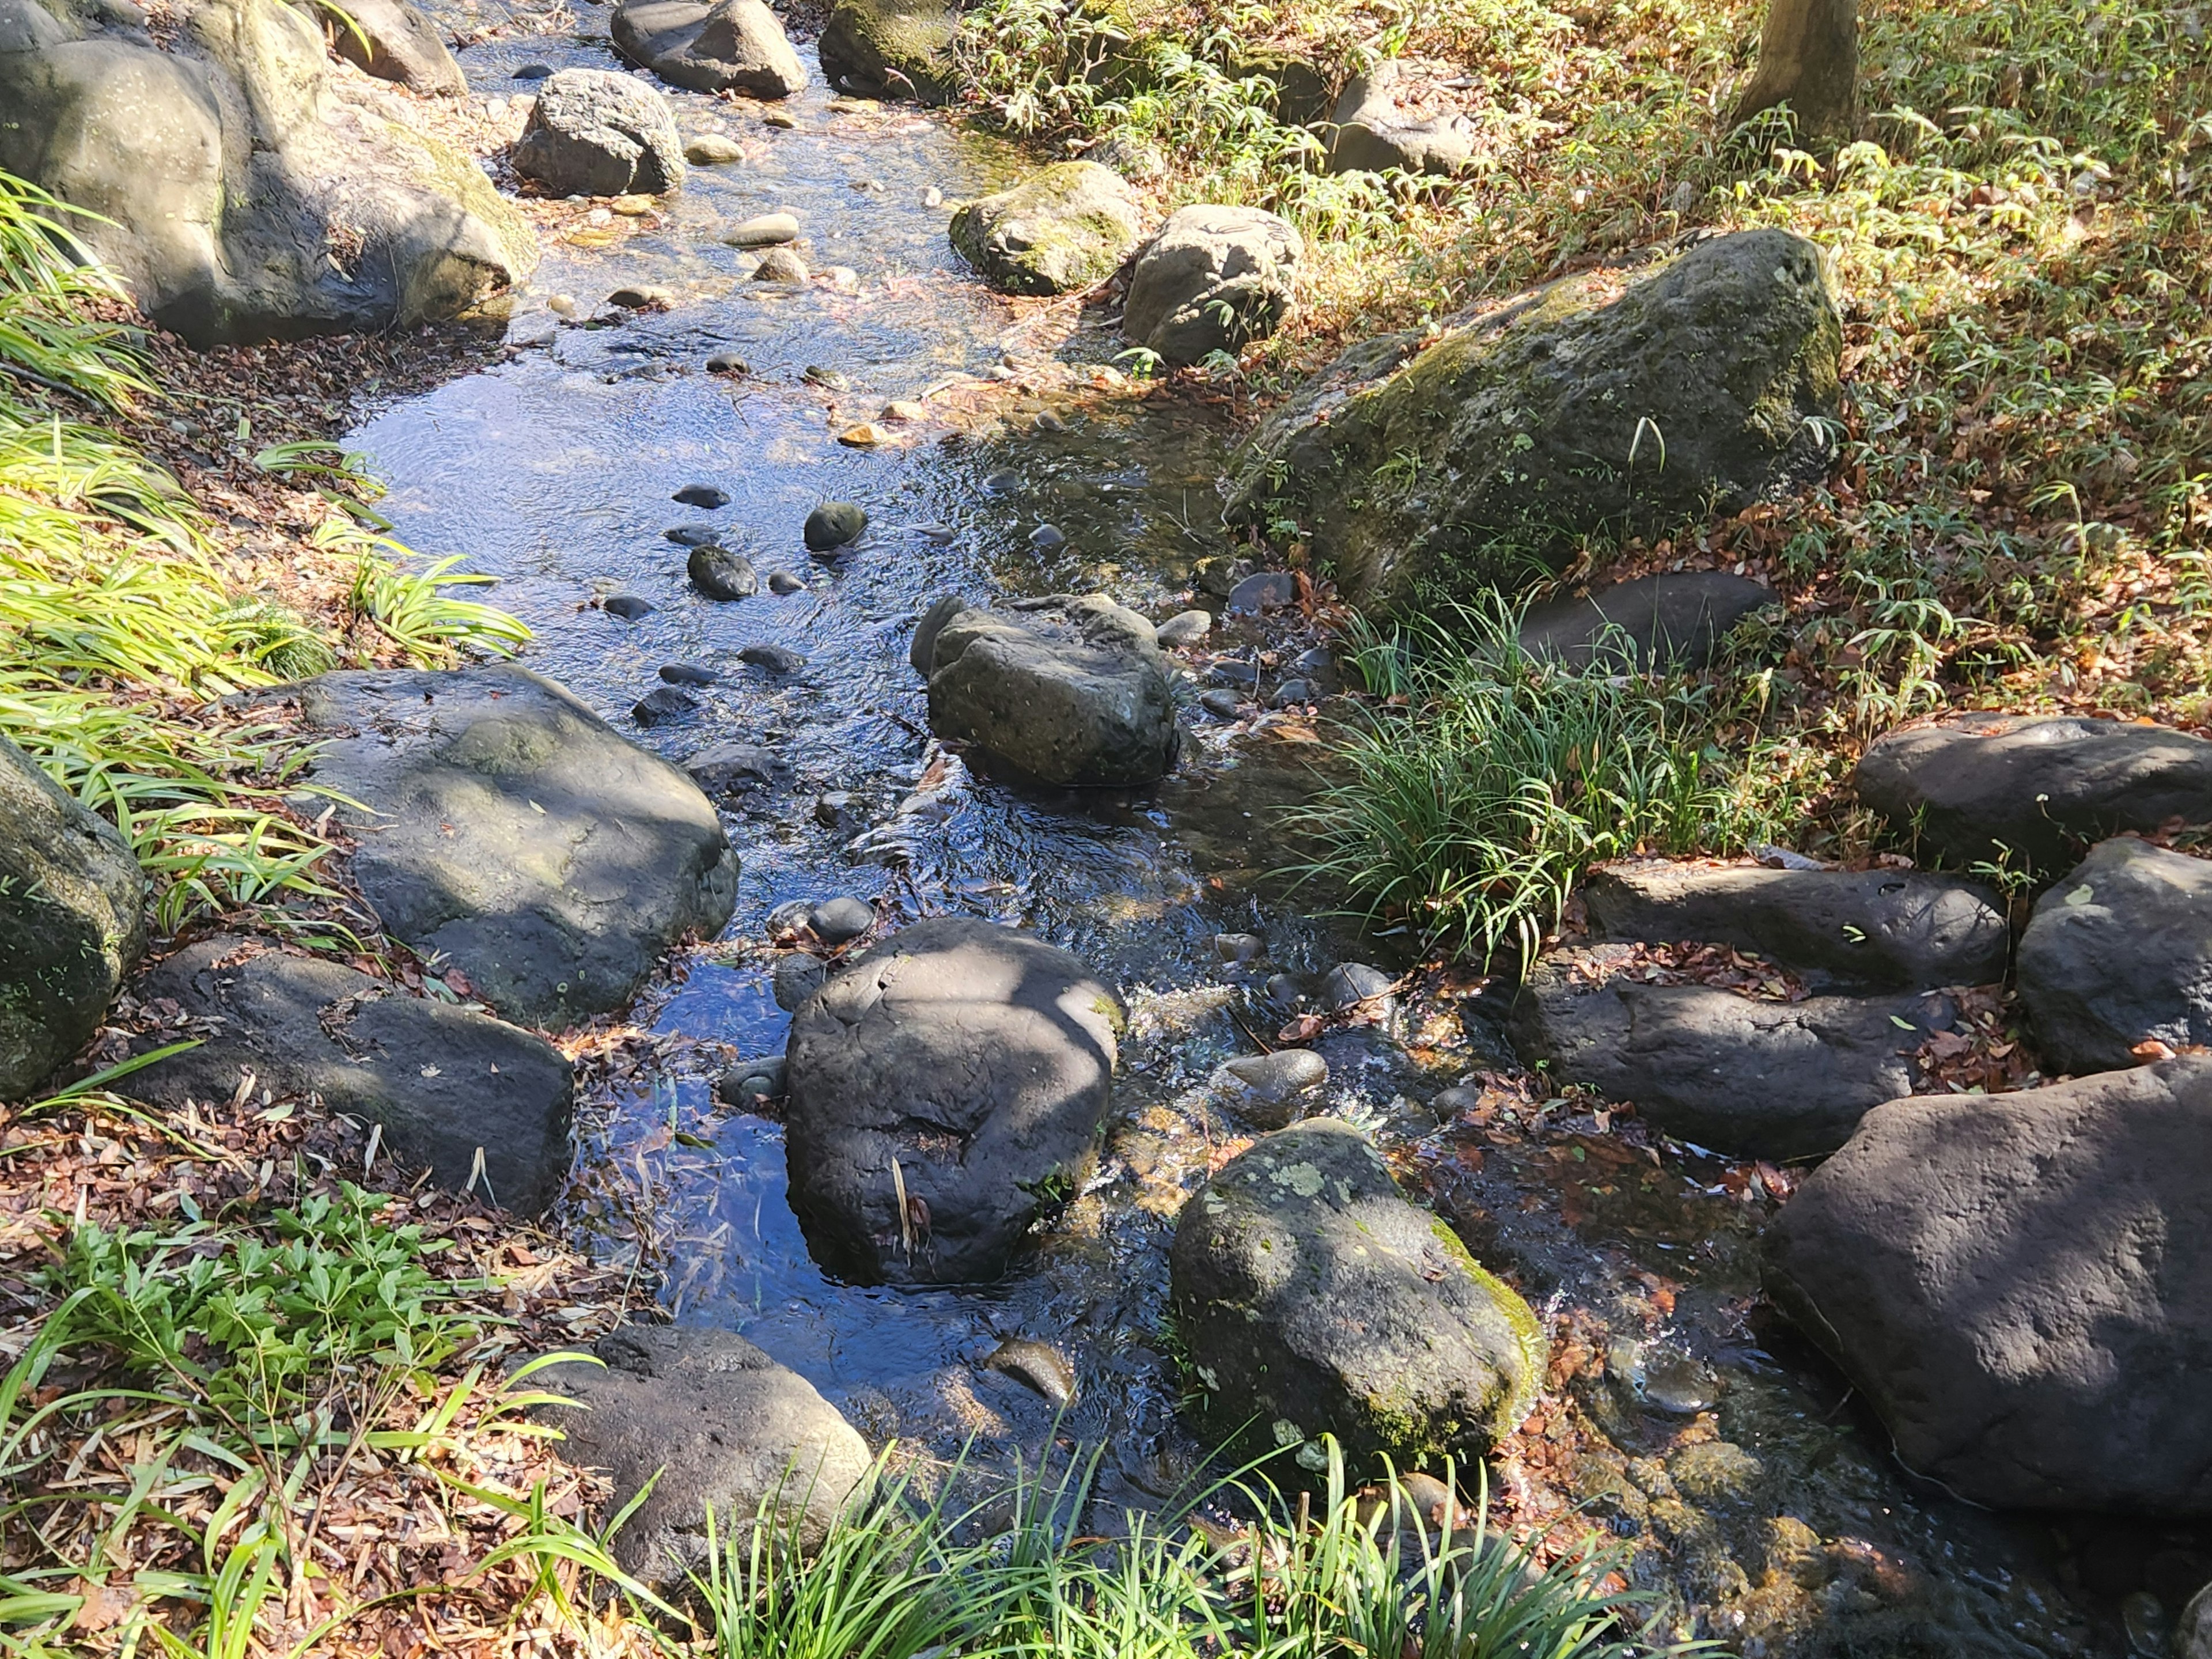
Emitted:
pixel 1222 705
pixel 1216 573
pixel 2031 791
pixel 226 163
pixel 1263 590
pixel 1039 1365
pixel 837 919
pixel 1285 991
pixel 1373 134
pixel 1677 619
pixel 1456 1101
pixel 663 706
pixel 976 1058
pixel 505 825
pixel 1184 628
pixel 838 809
pixel 1214 279
pixel 595 132
pixel 702 495
pixel 1896 929
pixel 2119 952
pixel 709 1421
pixel 752 1085
pixel 1046 536
pixel 775 658
pixel 795 978
pixel 1315 661
pixel 1063 229
pixel 723 767
pixel 830 380
pixel 834 525
pixel 394 41
pixel 2022 1284
pixel 783 582
pixel 532 72
pixel 628 606
pixel 1238 672
pixel 1291 693
pixel 780 264
pixel 450 1086
pixel 72 922
pixel 728 362
pixel 2192 1633
pixel 1767 1079
pixel 728 46
pixel 1081 698
pixel 639 296
pixel 1269 1089
pixel 691 535
pixel 891 49
pixel 1359 988
pixel 710 149
pixel 1653 1376
pixel 687 673
pixel 763 230
pixel 1456 461
pixel 1312 1297
pixel 1238 947
pixel 720 574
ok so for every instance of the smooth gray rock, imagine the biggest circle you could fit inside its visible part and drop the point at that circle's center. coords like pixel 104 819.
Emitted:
pixel 712 149
pixel 664 706
pixel 892 49
pixel 1080 697
pixel 724 767
pixel 1677 619
pixel 1214 279
pixel 2033 791
pixel 2022 1285
pixel 834 525
pixel 1184 628
pixel 2192 1633
pixel 729 45
pixel 1263 590
pixel 777 659
pixel 72 922
pixel 837 919
pixel 720 574
pixel 2118 952
pixel 1063 229
pixel 763 230
pixel 394 41
pixel 504 824
pixel 1372 134
pixel 795 978
pixel 979 1058
pixel 1359 988
pixel 1764 1079
pixel 1268 1089
pixel 1312 1298
pixel 628 606
pixel 780 264
pixel 1891 929
pixel 449 1084
pixel 595 132
pixel 713 1422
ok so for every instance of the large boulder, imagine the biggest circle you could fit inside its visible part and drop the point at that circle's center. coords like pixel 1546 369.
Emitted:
pixel 1628 400
pixel 249 189
pixel 891 49
pixel 1372 133
pixel 393 41
pixel 2118 953
pixel 1214 278
pixel 1675 620
pixel 964 1064
pixel 1067 227
pixel 2033 791
pixel 502 824
pixel 728 46
pixel 1312 1298
pixel 486 1106
pixel 1078 697
pixel 1900 929
pixel 1763 1079
pixel 711 1423
pixel 595 132
pixel 2022 1285
pixel 72 922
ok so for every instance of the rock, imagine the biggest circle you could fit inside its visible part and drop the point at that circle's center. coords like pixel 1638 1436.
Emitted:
pixel 708 1421
pixel 705 495
pixel 1079 699
pixel 763 230
pixel 1039 1365
pixel 794 979
pixel 1214 279
pixel 838 809
pixel 1184 628
pixel 1373 134
pixel 1892 929
pixel 1291 693
pixel 450 1085
pixel 752 1085
pixel 687 673
pixel 892 49
pixel 1263 590
pixel 1765 1079
pixel 780 264
pixel 1312 1298
pixel 532 72
pixel 782 581
pixel 663 706
pixel 2192 1637
pixel 72 923
pixel 502 824
pixel 1238 947
pixel 729 45
pixel 1047 537
pixel 776 658
pixel 979 1059
pixel 1065 228
pixel 2022 1285
pixel 724 767
pixel 1222 705
pixel 721 574
pixel 712 149
pixel 1237 671
pixel 1266 1089
pixel 1675 620
pixel 2033 792
pixel 1535 422
pixel 639 296
pixel 2120 953
pixel 595 132
pixel 728 362
pixel 628 606
pixel 393 41
pixel 248 189
pixel 691 535
pixel 840 919
pixel 1358 988
pixel 834 525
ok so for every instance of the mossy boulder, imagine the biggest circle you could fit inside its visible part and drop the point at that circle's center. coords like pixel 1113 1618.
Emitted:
pixel 1312 1298
pixel 1612 400
pixel 891 49
pixel 1067 227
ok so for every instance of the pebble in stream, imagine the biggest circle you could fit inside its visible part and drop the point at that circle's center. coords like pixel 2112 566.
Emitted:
pixel 834 525
pixel 1040 1364
pixel 721 574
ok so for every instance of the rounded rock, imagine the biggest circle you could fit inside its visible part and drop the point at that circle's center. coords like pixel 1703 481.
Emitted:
pixel 1266 1088
pixel 763 230
pixel 845 918
pixel 1185 627
pixel 780 264
pixel 834 525
pixel 721 574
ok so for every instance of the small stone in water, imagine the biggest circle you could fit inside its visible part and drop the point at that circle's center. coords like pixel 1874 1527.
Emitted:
pixel 732 766
pixel 842 919
pixel 1184 628
pixel 687 673
pixel 533 72
pixel 632 207
pixel 1456 1101
pixel 636 297
pixel 1352 985
pixel 662 704
pixel 862 436
pixel 776 118
pixel 691 535
pixel 712 149
pixel 1046 536
pixel 728 362
pixel 829 379
pixel 782 581
pixel 871 185
pixel 835 524
pixel 933 198
pixel 790 917
pixel 1315 661
pixel 1237 947
pixel 1269 1085
pixel 1285 992
pixel 795 979
pixel 751 1084
pixel 561 305
pixel 1267 590
pixel 764 230
pixel 780 264
pixel 1291 693
pixel 702 495
pixel 1048 422
pixel 721 574
pixel 1222 705
pixel 1235 670
pixel 943 534
pixel 1043 1367
pixel 838 809
pixel 844 279
pixel 628 606
pixel 998 483
pixel 776 658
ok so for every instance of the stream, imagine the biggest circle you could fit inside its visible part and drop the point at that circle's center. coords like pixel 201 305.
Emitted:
pixel 1751 1498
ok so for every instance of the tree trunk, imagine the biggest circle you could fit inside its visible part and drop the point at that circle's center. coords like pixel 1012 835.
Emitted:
pixel 1809 58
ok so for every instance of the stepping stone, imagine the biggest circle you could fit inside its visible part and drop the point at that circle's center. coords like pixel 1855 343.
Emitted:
pixel 766 230
pixel 664 705
pixel 834 525
pixel 628 606
pixel 712 149
pixel 721 574
pixel 1675 620
pixel 776 658
pixel 702 495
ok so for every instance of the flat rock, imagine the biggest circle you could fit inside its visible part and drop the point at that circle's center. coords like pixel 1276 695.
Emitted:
pixel 2036 790
pixel 710 1422
pixel 395 41
pixel 728 46
pixel 1263 590
pixel 775 658
pixel 2022 1285
pixel 1267 1090
pixel 836 921
pixel 1675 620
pixel 450 1085
pixel 1892 929
pixel 702 495
pixel 763 230
pixel 977 1057
pixel 663 706
pixel 628 606
pixel 726 767
pixel 1312 1298
pixel 1063 229
pixel 1184 628
pixel 504 825
pixel 1214 279
pixel 720 574
pixel 712 149
pixel 1373 134
pixel 595 132
pixel 1760 1079
pixel 892 49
